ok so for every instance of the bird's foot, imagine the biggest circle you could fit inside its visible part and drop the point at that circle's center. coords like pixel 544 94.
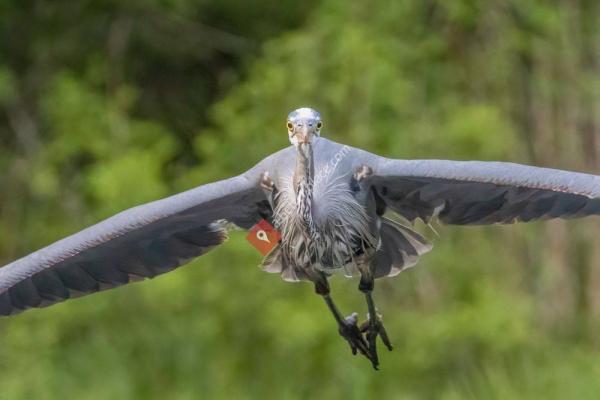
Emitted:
pixel 362 172
pixel 373 327
pixel 349 330
pixel 266 183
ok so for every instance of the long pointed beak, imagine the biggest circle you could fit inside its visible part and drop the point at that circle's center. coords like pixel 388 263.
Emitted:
pixel 304 135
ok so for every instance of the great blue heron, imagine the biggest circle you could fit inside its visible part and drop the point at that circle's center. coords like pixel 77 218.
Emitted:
pixel 328 202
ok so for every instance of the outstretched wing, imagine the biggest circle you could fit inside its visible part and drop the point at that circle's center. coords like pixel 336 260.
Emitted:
pixel 141 242
pixel 477 192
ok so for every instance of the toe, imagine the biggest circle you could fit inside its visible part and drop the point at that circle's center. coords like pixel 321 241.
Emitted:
pixel 385 339
pixel 349 331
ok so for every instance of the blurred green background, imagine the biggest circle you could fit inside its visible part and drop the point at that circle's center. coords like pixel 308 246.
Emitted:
pixel 107 104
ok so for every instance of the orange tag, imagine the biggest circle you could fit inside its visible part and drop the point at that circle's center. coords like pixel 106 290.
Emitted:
pixel 263 236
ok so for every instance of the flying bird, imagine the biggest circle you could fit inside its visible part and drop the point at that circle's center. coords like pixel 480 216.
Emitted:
pixel 316 207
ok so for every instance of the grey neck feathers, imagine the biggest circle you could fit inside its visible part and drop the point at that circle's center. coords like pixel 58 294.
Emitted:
pixel 303 186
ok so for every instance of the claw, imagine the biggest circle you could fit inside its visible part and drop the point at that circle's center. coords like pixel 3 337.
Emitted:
pixel 372 328
pixel 385 338
pixel 349 330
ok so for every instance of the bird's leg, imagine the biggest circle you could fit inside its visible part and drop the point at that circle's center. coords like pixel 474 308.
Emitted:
pixel 348 326
pixel 373 327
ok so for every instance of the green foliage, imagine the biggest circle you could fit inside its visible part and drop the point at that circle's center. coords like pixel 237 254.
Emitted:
pixel 108 104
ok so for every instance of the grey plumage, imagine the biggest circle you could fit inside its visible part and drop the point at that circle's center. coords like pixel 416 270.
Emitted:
pixel 337 225
pixel 142 242
pixel 155 238
pixel 400 248
pixel 475 192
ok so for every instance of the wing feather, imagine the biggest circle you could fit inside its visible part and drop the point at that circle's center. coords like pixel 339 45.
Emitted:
pixel 478 192
pixel 142 242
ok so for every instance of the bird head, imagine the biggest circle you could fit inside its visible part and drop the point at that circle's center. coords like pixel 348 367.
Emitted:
pixel 303 125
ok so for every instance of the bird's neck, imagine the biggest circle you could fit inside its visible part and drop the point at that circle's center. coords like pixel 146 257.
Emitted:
pixel 303 185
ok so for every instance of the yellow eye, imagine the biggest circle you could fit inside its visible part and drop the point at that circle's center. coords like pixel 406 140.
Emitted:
pixel 290 126
pixel 319 125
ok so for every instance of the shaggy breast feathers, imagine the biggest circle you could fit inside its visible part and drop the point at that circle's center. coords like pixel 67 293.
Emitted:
pixel 333 234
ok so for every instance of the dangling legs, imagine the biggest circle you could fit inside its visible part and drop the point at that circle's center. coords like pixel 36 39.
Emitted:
pixel 373 326
pixel 347 327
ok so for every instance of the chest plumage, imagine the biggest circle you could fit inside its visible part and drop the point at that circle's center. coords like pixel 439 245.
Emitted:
pixel 321 222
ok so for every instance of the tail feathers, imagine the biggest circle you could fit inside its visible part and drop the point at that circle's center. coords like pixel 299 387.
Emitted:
pixel 400 249
pixel 275 263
